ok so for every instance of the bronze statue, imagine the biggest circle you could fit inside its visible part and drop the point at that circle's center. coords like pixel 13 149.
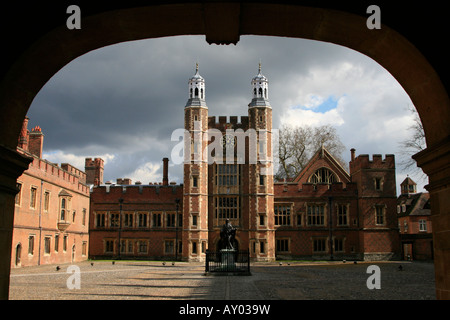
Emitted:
pixel 227 235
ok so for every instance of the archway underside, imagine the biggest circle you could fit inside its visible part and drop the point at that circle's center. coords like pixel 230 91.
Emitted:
pixel 224 23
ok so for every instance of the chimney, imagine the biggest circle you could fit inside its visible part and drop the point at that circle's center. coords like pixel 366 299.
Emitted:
pixel 352 152
pixel 36 141
pixel 165 172
pixel 23 137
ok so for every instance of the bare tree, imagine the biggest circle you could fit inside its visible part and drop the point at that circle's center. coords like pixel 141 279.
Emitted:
pixel 413 144
pixel 298 144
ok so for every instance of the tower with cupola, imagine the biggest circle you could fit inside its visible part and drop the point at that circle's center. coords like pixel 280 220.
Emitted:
pixel 260 173
pixel 195 186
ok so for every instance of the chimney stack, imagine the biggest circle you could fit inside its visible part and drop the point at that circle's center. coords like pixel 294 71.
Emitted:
pixel 23 138
pixel 352 152
pixel 36 141
pixel 166 171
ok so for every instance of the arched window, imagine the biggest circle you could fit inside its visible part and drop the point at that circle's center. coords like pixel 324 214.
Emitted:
pixel 254 92
pixel 260 92
pixel 201 93
pixel 323 175
pixel 196 93
pixel 190 94
pixel 265 93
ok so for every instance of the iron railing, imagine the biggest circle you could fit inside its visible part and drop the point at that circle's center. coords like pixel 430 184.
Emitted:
pixel 228 261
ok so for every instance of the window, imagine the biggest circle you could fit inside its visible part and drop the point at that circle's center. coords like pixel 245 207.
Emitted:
pixel 262 248
pixel 194 220
pixel 33 195
pixel 128 220
pixel 342 214
pixel 227 175
pixel 114 221
pixel 422 225
pixel 19 194
pixel 56 242
pixel 323 175
pixel 379 215
pixel 338 245
pixel 405 226
pixel 227 207
pixel 316 214
pixel 100 220
pixel 194 181
pixel 261 219
pixel 378 184
pixel 83 221
pixel 169 246
pixel 46 201
pixel 319 245
pixel 142 220
pixel 282 245
pixel 261 179
pixel 31 245
pixel 65 243
pixel 84 248
pixel 156 220
pixel 109 246
pixel 282 214
pixel 130 247
pixel 170 220
pixel 194 247
pixel 47 245
pixel 73 215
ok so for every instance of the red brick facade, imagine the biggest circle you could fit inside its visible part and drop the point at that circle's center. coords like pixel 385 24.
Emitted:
pixel 52 209
pixel 324 213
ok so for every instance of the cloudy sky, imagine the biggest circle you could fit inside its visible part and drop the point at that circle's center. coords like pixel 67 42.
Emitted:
pixel 123 102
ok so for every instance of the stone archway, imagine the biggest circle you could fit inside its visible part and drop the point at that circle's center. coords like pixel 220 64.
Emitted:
pixel 223 23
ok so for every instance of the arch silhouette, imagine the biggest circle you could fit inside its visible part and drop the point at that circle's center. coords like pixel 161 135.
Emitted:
pixel 47 50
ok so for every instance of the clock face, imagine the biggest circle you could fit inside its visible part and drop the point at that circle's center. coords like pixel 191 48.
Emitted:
pixel 228 140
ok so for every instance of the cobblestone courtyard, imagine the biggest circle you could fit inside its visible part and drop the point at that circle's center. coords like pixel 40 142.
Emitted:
pixel 137 280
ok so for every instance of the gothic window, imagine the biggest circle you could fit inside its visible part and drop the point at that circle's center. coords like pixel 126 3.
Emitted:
pixel 196 93
pixel 323 175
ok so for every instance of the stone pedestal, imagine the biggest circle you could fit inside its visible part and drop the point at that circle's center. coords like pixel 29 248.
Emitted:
pixel 227 259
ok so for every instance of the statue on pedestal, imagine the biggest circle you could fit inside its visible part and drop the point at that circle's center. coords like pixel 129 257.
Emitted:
pixel 227 235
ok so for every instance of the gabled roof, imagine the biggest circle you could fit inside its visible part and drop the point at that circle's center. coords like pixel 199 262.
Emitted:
pixel 328 161
pixel 417 204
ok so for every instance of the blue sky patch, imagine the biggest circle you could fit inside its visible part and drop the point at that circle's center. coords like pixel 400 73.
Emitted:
pixel 329 104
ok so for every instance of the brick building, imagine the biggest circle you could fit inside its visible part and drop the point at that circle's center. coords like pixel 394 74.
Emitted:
pixel 144 219
pixel 324 213
pixel 52 208
pixel 414 222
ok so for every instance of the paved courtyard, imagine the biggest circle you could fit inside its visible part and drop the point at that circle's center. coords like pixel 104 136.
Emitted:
pixel 137 280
